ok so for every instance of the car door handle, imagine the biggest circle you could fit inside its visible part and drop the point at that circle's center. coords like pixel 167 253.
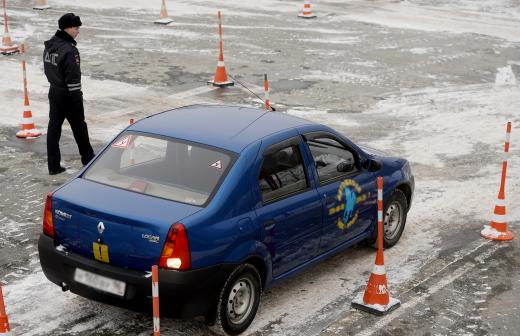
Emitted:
pixel 330 201
pixel 269 224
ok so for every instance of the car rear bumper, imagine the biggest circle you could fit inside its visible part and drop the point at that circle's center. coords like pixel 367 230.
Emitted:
pixel 184 294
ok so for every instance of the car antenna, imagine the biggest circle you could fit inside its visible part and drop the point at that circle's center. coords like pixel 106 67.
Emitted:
pixel 239 82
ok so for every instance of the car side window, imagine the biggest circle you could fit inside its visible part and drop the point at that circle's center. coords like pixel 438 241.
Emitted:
pixel 282 174
pixel 332 160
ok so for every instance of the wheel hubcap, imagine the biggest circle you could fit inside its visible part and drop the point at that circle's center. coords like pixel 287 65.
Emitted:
pixel 240 300
pixel 392 221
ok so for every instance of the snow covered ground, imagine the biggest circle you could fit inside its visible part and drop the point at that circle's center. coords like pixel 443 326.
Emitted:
pixel 432 81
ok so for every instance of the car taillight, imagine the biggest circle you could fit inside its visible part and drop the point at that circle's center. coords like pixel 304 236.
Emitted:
pixel 176 251
pixel 48 226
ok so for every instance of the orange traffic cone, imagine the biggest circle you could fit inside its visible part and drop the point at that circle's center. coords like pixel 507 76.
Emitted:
pixel 221 79
pixel 376 299
pixel 497 230
pixel 164 18
pixel 307 13
pixel 27 129
pixel 41 5
pixel 4 322
pixel 266 89
pixel 8 47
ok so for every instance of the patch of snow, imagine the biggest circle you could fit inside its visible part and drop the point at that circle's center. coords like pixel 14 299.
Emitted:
pixel 368 64
pixel 338 76
pixel 388 47
pixel 435 112
pixel 406 15
pixel 187 7
pixel 322 116
pixel 344 40
pixel 421 51
pixel 505 76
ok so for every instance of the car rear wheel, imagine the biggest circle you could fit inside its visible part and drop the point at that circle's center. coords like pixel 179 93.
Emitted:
pixel 394 219
pixel 238 301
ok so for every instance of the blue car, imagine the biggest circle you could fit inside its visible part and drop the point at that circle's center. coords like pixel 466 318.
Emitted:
pixel 225 200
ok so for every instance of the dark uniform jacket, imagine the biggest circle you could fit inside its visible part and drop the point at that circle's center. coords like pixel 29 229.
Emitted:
pixel 62 65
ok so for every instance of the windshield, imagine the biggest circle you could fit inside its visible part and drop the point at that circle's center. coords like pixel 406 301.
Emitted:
pixel 161 167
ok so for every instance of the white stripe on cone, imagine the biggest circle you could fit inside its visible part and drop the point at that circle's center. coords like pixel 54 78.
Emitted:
pixel 499 219
pixel 27 121
pixel 379 270
pixel 500 202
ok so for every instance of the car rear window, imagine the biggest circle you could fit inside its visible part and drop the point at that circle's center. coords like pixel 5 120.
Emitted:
pixel 161 167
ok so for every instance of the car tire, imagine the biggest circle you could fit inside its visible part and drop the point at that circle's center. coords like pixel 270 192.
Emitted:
pixel 394 219
pixel 238 301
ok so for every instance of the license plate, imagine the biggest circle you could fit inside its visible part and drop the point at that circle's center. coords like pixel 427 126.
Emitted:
pixel 100 282
pixel 100 252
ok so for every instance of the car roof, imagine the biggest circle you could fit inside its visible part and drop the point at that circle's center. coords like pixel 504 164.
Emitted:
pixel 228 127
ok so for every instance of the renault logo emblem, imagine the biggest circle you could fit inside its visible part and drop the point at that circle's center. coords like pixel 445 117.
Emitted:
pixel 100 227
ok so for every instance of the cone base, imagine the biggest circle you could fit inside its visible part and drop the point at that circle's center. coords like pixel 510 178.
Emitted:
pixel 41 7
pixel 9 50
pixel 28 134
pixel 221 84
pixel 164 21
pixel 306 16
pixel 492 234
pixel 375 309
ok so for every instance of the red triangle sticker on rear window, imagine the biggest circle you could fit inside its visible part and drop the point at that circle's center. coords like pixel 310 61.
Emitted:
pixel 217 165
pixel 123 143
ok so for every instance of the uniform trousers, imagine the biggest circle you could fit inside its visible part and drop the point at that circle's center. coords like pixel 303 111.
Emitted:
pixel 64 106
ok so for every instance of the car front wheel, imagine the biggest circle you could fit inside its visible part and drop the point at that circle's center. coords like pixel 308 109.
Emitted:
pixel 394 220
pixel 238 301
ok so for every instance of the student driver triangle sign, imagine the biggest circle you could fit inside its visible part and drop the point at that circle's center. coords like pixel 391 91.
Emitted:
pixel 123 143
pixel 217 165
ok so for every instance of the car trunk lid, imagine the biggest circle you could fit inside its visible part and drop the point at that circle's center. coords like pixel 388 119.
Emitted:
pixel 90 217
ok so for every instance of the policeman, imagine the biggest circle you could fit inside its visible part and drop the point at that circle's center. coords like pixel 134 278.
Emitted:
pixel 62 68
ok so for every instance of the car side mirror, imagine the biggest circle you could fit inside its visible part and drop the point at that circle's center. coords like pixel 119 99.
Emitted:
pixel 372 165
pixel 345 167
